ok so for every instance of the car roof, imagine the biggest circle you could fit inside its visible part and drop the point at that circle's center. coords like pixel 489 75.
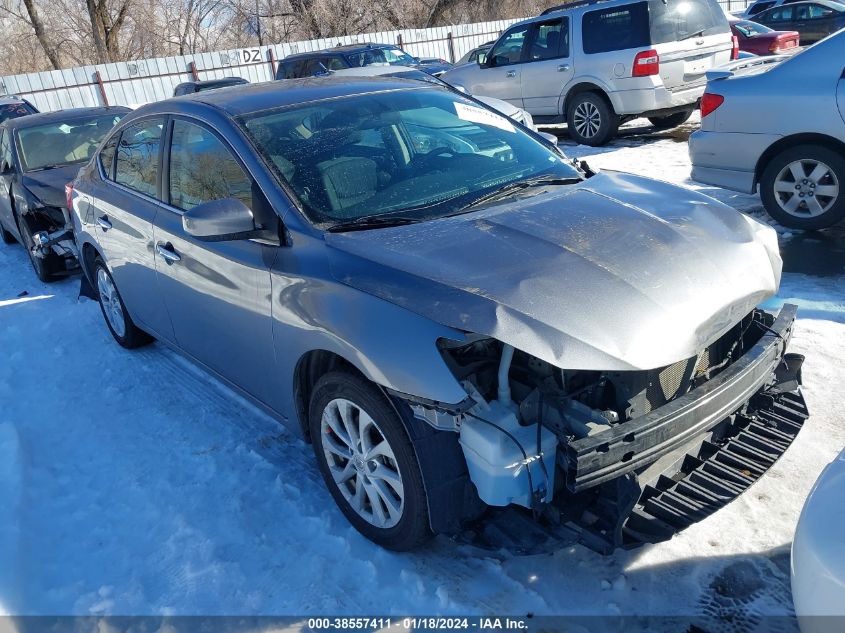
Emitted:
pixel 58 116
pixel 269 95
pixel 343 48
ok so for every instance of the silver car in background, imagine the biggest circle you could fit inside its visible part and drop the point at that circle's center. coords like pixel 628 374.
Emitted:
pixel 596 65
pixel 779 126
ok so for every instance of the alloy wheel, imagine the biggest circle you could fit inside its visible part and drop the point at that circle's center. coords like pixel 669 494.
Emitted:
pixel 806 188
pixel 362 463
pixel 587 119
pixel 112 306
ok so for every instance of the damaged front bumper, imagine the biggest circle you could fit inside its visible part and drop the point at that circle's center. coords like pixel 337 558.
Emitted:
pixel 628 447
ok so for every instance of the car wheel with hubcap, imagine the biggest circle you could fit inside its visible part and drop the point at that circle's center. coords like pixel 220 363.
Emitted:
pixel 804 187
pixel 670 120
pixel 120 324
pixel 590 120
pixel 368 461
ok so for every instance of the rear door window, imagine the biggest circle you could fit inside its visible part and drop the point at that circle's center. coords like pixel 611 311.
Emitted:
pixel 678 20
pixel 292 69
pixel 615 28
pixel 780 14
pixel 314 68
pixel 14 110
pixel 137 158
pixel 550 40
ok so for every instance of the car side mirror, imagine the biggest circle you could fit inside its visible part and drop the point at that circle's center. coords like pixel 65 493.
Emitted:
pixel 482 59
pixel 221 221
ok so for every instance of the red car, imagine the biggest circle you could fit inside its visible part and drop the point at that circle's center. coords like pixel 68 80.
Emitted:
pixel 761 40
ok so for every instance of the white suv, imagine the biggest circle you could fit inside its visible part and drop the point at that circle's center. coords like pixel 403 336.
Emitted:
pixel 597 64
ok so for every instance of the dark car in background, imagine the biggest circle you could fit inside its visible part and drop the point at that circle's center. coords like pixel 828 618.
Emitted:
pixel 319 63
pixel 190 87
pixel 761 40
pixel 813 20
pixel 13 107
pixel 39 155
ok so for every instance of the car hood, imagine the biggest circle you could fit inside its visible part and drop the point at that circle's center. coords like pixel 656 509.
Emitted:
pixel 618 272
pixel 433 68
pixel 48 186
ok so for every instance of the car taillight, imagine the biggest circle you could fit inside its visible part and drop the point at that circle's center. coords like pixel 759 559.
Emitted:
pixel 69 196
pixel 646 63
pixel 710 102
pixel 734 47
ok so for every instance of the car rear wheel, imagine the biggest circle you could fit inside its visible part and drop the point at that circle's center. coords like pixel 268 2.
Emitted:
pixel 120 324
pixel 45 267
pixel 804 187
pixel 368 462
pixel 590 119
pixel 671 120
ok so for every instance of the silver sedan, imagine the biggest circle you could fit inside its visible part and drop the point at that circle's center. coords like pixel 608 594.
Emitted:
pixel 779 127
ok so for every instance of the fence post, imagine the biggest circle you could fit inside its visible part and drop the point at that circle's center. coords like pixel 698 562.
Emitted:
pixel 99 81
pixel 194 73
pixel 399 40
pixel 451 44
pixel 272 57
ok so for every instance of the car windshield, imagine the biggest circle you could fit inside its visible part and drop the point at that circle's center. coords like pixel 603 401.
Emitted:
pixel 14 110
pixel 422 153
pixel 65 143
pixel 387 55
pixel 748 28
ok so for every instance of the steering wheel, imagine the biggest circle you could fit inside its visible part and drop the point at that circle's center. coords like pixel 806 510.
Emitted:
pixel 437 152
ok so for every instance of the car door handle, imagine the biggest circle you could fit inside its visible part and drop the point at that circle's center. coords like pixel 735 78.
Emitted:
pixel 563 68
pixel 166 251
pixel 510 73
pixel 104 223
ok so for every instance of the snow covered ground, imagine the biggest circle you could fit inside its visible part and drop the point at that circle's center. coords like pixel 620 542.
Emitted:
pixel 132 483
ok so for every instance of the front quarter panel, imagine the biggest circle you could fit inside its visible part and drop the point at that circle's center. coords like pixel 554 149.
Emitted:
pixel 390 345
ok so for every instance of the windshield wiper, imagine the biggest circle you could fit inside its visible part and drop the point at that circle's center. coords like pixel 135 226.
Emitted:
pixel 520 185
pixel 689 36
pixel 372 222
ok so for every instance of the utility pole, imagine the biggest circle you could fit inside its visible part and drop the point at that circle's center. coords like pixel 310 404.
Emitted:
pixel 258 24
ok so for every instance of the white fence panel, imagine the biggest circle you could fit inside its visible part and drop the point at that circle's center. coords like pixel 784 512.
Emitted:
pixel 137 82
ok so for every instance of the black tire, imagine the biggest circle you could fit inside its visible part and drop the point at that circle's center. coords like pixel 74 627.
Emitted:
pixel 671 120
pixel 7 237
pixel 810 156
pixel 45 267
pixel 594 115
pixel 413 528
pixel 132 336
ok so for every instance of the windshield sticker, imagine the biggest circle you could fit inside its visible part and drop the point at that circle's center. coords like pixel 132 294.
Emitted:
pixel 484 117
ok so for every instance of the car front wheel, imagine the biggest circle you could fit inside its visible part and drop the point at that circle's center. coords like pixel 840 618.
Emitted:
pixel 590 119
pixel 804 187
pixel 368 461
pixel 120 324
pixel 45 267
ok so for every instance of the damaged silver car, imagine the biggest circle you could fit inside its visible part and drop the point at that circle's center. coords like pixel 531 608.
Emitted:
pixel 468 326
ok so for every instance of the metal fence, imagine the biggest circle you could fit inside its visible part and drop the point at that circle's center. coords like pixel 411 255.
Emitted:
pixel 143 81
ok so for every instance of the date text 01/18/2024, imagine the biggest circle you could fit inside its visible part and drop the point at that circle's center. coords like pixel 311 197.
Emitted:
pixel 417 623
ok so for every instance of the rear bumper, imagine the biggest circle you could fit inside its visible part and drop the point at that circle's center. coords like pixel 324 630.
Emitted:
pixel 636 444
pixel 655 100
pixel 727 159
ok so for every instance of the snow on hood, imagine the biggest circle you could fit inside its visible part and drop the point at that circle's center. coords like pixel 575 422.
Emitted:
pixel 618 272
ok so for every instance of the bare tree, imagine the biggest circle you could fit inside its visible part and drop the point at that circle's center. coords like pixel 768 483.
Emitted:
pixel 106 26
